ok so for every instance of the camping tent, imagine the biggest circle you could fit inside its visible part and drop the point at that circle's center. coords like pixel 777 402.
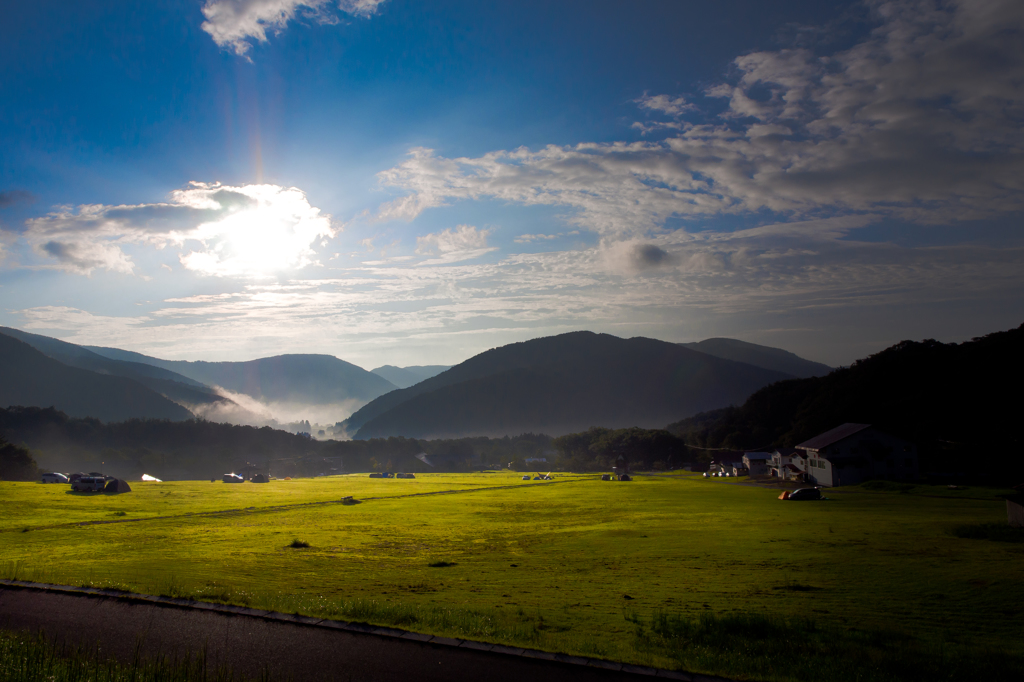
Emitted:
pixel 260 478
pixel 116 485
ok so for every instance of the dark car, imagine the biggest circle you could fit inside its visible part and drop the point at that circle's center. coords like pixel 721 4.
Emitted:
pixel 805 494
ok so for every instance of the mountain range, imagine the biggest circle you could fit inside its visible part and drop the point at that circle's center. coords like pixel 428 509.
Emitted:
pixel 552 385
pixel 301 378
pixel 404 377
pixel 561 384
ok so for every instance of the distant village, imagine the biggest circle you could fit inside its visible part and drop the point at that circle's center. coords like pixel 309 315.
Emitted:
pixel 846 455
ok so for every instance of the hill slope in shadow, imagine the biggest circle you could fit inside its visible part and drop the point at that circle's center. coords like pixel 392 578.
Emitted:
pixel 30 378
pixel 958 402
pixel 760 356
pixel 182 390
pixel 561 384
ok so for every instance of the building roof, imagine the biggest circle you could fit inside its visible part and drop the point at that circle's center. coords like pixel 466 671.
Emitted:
pixel 837 434
pixel 788 452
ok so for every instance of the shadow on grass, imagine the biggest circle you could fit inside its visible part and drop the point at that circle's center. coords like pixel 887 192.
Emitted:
pixel 1000 532
pixel 765 647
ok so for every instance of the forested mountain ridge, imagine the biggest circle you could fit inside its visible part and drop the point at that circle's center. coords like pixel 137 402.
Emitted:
pixel 181 389
pixel 561 384
pixel 955 400
pixel 30 378
pixel 760 356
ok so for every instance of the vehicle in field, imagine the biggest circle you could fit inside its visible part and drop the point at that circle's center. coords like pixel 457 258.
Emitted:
pixel 805 494
pixel 54 477
pixel 526 478
pixel 89 484
pixel 233 478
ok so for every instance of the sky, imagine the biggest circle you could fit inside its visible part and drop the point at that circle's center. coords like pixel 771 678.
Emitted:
pixel 413 182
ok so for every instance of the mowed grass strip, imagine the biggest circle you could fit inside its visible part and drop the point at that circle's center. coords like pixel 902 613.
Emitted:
pixel 33 505
pixel 614 569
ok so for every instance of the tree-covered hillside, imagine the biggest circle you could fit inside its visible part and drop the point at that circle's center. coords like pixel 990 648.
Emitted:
pixel 197 449
pixel 959 402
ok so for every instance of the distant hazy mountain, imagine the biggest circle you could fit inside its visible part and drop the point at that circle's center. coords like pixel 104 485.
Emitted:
pixel 306 379
pixel 562 384
pixel 178 388
pixel 761 356
pixel 404 377
pixel 30 378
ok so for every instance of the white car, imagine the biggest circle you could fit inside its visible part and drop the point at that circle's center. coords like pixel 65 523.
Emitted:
pixel 233 478
pixel 54 477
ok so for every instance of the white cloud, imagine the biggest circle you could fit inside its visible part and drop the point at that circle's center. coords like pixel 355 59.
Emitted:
pixel 920 120
pixel 234 23
pixel 530 238
pixel 665 104
pixel 246 231
pixel 465 242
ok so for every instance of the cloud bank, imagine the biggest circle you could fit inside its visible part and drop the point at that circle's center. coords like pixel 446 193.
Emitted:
pixel 246 231
pixel 465 242
pixel 236 24
pixel 920 120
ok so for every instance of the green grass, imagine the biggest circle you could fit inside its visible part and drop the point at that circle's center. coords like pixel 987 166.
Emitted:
pixel 633 572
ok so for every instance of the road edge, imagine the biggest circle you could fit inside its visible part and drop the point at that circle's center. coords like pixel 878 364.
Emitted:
pixel 360 628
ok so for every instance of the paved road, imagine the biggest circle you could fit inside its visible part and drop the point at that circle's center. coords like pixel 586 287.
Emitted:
pixel 251 645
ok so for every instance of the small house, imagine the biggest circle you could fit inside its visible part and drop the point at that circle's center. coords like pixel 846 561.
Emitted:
pixel 853 453
pixel 756 463
pixel 780 461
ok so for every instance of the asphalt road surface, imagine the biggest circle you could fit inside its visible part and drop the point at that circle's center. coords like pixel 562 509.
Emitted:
pixel 252 646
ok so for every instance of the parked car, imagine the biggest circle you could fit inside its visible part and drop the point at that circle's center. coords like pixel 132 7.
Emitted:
pixel 89 484
pixel 54 477
pixel 233 478
pixel 526 478
pixel 805 494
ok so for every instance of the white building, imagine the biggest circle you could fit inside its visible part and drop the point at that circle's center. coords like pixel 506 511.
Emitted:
pixel 853 453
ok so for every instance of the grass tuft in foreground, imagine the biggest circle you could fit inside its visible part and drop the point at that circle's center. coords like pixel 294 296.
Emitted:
pixel 999 532
pixel 28 658
pixel 767 647
pixel 298 544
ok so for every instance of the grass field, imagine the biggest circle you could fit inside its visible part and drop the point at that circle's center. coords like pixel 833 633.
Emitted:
pixel 664 570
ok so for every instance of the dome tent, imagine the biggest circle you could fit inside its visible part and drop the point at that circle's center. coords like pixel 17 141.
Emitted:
pixel 116 485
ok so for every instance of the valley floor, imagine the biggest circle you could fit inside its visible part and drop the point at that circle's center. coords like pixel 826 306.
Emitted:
pixel 645 571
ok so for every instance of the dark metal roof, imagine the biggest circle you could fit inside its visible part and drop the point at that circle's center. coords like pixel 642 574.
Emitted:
pixel 837 434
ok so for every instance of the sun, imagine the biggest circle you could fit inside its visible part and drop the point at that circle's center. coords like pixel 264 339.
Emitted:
pixel 274 231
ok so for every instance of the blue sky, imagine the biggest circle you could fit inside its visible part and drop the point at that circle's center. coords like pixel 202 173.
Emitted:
pixel 414 182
